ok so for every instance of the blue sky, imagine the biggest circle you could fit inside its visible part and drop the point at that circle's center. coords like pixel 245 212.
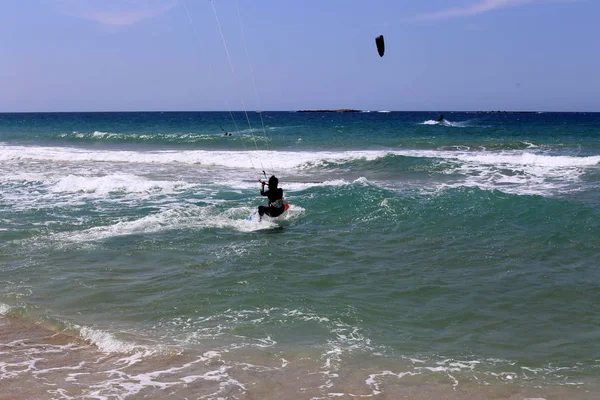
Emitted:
pixel 130 55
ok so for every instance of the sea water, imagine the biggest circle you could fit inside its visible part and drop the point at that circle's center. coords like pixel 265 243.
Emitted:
pixel 418 259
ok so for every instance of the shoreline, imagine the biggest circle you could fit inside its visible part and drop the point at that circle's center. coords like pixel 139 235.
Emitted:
pixel 39 363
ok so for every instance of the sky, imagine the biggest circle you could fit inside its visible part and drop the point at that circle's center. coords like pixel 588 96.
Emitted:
pixel 197 55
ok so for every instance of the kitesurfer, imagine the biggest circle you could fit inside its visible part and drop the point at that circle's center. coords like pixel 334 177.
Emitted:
pixel 275 195
pixel 440 118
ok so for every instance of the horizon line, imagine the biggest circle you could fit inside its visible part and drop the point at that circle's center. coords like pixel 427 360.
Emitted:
pixel 323 110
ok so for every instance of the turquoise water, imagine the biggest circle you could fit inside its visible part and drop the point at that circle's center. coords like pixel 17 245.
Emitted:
pixel 464 252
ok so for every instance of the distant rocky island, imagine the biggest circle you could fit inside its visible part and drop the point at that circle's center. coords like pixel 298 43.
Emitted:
pixel 341 110
pixel 507 112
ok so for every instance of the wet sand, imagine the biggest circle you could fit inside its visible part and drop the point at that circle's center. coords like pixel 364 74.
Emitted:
pixel 39 363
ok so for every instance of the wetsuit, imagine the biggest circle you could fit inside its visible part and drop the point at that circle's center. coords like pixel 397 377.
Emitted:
pixel 275 207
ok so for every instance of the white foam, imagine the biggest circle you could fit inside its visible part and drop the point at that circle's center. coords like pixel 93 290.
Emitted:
pixel 169 219
pixel 231 159
pixel 514 158
pixel 4 309
pixel 68 180
pixel 290 186
pixel 107 343
pixel 518 172
pixel 373 379
pixel 283 159
pixel 305 316
pixel 123 384
pixel 246 135
pixel 183 217
pixel 119 182
pixel 29 177
pixel 445 122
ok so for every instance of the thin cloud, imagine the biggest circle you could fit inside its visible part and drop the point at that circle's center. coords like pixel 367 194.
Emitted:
pixel 473 9
pixel 115 13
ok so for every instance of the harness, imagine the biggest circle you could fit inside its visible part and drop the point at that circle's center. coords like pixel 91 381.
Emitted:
pixel 277 203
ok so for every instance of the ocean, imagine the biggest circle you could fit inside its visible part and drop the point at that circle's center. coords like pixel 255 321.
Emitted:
pixel 418 259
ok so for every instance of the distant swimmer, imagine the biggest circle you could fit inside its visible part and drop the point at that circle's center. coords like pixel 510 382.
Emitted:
pixel 276 206
pixel 440 118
